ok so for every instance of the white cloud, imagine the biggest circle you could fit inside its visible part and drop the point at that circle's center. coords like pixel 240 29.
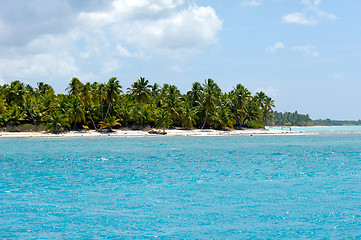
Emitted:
pixel 43 66
pixel 251 3
pixel 299 18
pixel 339 75
pixel 307 50
pixel 123 51
pixel 273 49
pixel 311 15
pixel 60 39
pixel 160 24
pixel 111 66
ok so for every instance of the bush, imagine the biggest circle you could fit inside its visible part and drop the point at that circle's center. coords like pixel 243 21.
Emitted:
pixel 254 125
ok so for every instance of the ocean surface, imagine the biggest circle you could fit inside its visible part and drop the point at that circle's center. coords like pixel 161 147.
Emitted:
pixel 322 129
pixel 227 187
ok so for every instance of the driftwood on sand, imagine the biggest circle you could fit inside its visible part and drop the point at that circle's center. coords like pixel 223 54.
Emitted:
pixel 157 132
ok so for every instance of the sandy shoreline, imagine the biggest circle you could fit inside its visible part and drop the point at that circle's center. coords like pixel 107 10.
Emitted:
pixel 134 133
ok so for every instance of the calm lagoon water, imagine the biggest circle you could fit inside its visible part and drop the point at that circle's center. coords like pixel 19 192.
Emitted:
pixel 228 187
pixel 323 129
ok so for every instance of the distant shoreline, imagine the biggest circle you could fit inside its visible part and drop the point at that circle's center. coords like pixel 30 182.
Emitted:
pixel 139 133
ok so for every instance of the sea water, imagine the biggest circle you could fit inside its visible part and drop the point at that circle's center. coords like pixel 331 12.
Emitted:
pixel 321 129
pixel 229 187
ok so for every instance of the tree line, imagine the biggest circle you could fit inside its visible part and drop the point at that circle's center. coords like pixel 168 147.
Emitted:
pixel 329 122
pixel 291 119
pixel 104 106
pixel 297 119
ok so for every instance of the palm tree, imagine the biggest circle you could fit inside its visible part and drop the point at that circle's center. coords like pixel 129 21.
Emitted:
pixel 195 93
pixel 111 122
pixel 3 111
pixel 86 97
pixel 56 121
pixel 15 93
pixel 48 101
pixel 172 101
pixel 155 89
pixel 113 89
pixel 31 103
pixel 267 111
pixel 223 118
pixel 259 99
pixel 188 116
pixel 141 90
pixel 74 86
pixel 2 105
pixel 252 113
pixel 188 113
pixel 211 92
pixel 149 112
pixel 15 115
pixel 241 96
pixel 44 88
pixel 163 119
pixel 76 111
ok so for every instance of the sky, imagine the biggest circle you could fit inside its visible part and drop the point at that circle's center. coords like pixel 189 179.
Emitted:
pixel 305 54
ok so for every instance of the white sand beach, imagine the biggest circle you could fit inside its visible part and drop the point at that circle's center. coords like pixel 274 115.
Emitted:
pixel 136 133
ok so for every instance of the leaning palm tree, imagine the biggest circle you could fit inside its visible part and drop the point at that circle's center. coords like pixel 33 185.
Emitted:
pixel 141 90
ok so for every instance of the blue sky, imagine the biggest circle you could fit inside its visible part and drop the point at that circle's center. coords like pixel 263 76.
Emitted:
pixel 305 54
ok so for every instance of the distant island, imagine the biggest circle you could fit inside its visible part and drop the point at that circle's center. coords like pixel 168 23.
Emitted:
pixel 296 119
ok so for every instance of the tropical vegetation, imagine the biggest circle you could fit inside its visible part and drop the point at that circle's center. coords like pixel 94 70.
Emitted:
pixel 291 119
pixel 106 106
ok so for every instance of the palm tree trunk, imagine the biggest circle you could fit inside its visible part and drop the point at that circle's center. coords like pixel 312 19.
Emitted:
pixel 205 120
pixel 91 117
pixel 31 115
pixel 106 115
pixel 240 122
pixel 141 115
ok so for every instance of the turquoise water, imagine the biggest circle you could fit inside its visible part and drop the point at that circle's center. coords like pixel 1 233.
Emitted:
pixel 323 130
pixel 230 187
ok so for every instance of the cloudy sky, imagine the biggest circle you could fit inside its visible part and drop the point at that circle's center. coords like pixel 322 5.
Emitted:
pixel 305 54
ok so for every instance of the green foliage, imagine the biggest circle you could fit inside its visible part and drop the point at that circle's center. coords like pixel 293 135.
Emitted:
pixel 104 105
pixel 329 122
pixel 141 91
pixel 111 122
pixel 291 119
pixel 56 122
pixel 254 125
